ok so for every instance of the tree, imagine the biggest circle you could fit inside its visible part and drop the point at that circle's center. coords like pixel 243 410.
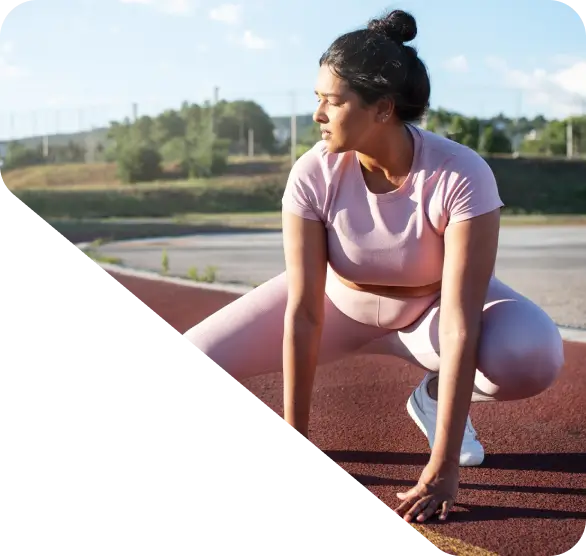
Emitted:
pixel 465 131
pixel 168 126
pixel 138 163
pixel 550 141
pixel 18 156
pixel 234 119
pixel 494 141
pixel 579 133
pixel 66 154
pixel 205 155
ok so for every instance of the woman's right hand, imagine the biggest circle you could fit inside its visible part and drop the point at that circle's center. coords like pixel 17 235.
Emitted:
pixel 300 353
pixel 306 264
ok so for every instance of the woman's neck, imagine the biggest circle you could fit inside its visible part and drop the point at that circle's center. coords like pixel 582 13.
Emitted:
pixel 389 155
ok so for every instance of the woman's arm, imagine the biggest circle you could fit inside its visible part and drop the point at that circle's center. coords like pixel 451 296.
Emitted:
pixel 470 255
pixel 305 251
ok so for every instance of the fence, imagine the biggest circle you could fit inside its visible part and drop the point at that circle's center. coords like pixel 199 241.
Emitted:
pixel 291 114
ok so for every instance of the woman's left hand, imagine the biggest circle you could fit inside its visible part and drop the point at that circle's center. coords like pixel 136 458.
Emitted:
pixel 435 491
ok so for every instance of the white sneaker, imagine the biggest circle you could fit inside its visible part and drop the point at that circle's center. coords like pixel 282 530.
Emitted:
pixel 423 410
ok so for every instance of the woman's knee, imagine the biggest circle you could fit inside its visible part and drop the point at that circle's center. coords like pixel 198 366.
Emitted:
pixel 244 337
pixel 521 351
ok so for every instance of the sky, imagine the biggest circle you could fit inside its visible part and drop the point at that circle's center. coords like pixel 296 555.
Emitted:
pixel 69 65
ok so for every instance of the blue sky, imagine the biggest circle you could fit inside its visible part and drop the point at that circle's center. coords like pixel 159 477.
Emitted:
pixel 65 64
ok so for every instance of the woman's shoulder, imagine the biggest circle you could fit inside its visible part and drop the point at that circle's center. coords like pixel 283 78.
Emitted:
pixel 455 159
pixel 312 181
pixel 465 185
pixel 318 163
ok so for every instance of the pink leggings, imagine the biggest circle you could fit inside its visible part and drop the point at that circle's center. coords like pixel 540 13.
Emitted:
pixel 520 353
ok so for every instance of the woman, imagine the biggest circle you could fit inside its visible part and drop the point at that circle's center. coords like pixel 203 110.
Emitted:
pixel 385 224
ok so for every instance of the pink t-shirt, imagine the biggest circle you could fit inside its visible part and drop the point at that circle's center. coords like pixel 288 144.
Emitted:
pixel 394 238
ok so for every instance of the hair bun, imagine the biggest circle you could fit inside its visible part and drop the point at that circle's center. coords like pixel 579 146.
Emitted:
pixel 399 26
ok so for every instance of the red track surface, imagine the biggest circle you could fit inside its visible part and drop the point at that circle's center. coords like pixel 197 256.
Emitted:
pixel 528 497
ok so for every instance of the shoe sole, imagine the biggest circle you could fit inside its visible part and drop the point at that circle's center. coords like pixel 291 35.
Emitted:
pixel 413 411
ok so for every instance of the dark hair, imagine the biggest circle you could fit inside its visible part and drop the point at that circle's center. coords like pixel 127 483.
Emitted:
pixel 376 64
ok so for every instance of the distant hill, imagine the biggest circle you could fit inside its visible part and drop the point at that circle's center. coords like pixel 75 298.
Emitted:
pixel 99 135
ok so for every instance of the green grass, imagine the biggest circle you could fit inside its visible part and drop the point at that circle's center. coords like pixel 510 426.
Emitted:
pixel 208 276
pixel 89 192
pixel 104 175
pixel 259 220
pixel 99 258
pixel 544 220
pixel 217 196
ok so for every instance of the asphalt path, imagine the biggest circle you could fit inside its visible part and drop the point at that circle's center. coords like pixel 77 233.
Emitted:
pixel 547 264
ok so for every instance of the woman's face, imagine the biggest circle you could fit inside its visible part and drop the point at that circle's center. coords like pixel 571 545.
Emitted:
pixel 346 123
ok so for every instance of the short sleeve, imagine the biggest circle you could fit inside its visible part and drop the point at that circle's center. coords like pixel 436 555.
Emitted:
pixel 472 191
pixel 304 187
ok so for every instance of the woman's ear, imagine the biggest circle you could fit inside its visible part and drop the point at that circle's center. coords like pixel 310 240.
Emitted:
pixel 384 110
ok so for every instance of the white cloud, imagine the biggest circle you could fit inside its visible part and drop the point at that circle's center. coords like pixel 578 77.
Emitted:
pixel 557 94
pixel 173 7
pixel 254 42
pixel 8 70
pixel 230 14
pixel 565 59
pixel 457 64
pixel 573 78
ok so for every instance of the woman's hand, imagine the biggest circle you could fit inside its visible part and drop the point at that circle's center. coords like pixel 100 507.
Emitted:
pixel 435 491
pixel 470 254
pixel 306 264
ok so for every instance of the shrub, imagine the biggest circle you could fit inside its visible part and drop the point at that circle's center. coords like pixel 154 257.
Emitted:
pixel 138 164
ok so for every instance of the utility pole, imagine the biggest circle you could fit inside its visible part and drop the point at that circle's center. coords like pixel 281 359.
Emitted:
pixel 250 142
pixel 90 148
pixel 516 141
pixel 569 139
pixel 135 111
pixel 241 142
pixel 293 130
pixel 582 142
pixel 480 126
pixel 214 103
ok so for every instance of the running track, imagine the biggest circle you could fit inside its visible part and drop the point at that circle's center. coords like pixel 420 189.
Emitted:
pixel 528 498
